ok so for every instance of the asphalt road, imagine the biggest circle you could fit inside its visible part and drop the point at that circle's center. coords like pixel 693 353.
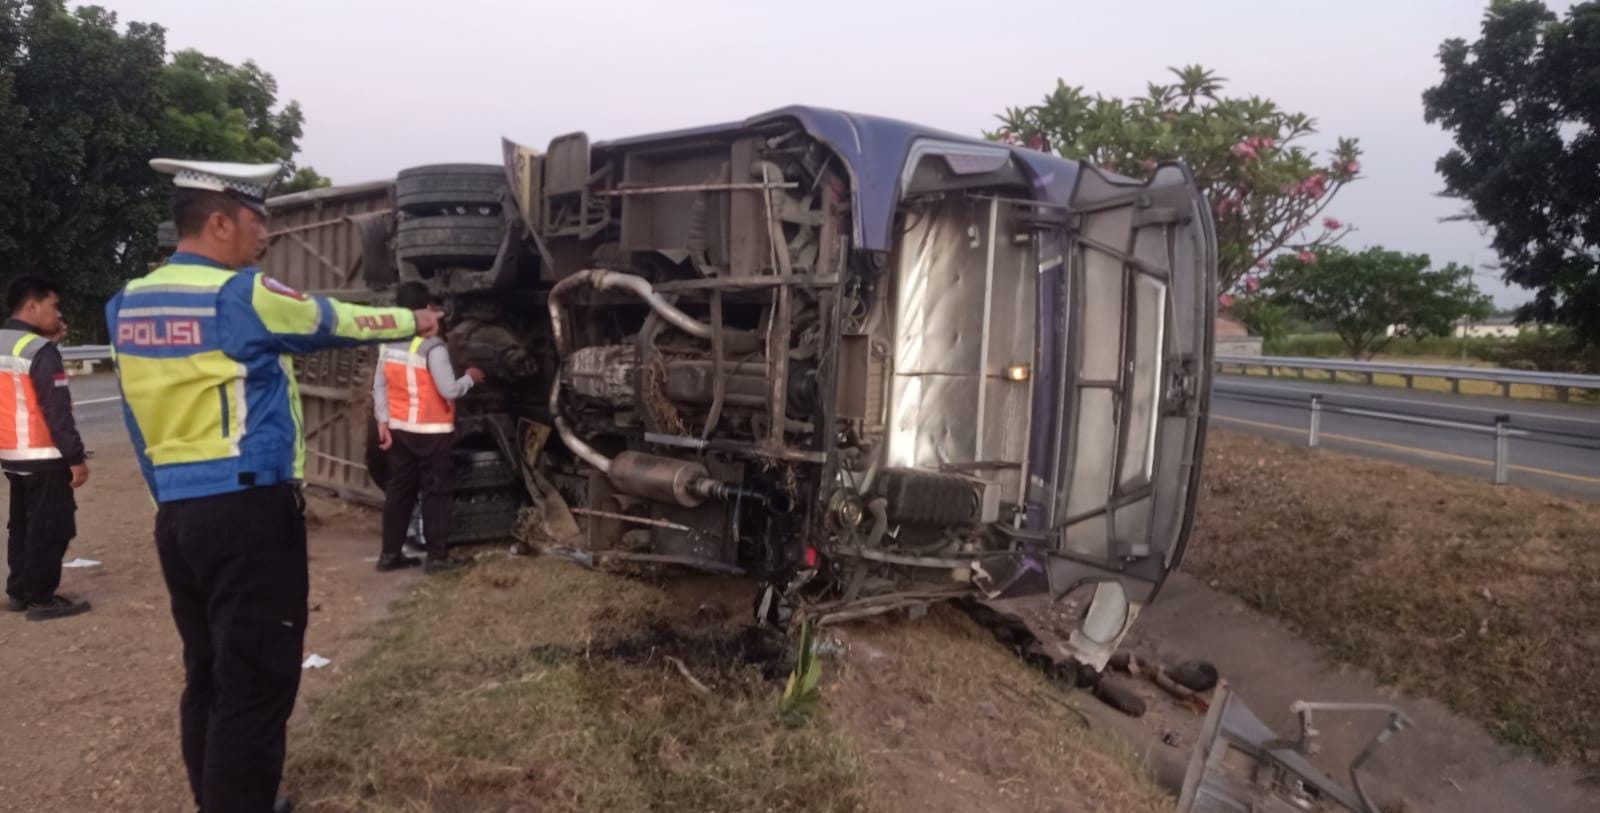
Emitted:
pixel 1554 447
pixel 96 403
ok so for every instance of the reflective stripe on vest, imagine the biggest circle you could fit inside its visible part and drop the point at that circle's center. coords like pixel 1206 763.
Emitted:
pixel 415 404
pixel 23 433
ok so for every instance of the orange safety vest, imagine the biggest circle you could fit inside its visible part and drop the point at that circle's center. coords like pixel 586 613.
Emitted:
pixel 415 404
pixel 23 433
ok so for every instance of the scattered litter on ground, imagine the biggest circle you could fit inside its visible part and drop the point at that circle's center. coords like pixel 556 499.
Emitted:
pixel 315 661
pixel 81 563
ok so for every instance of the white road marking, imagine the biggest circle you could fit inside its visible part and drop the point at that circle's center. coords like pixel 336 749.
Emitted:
pixel 1342 394
pixel 93 401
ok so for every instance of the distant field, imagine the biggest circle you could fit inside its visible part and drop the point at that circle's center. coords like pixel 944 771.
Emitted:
pixel 1428 352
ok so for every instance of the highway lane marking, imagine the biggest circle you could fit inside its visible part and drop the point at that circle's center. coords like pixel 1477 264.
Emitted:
pixel 1300 430
pixel 1392 416
pixel 93 401
pixel 1424 401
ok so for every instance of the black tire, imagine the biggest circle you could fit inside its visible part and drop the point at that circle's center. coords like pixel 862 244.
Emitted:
pixel 470 241
pixel 483 471
pixel 449 188
pixel 483 520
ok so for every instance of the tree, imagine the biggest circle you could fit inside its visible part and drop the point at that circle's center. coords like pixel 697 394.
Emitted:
pixel 1266 191
pixel 1363 294
pixel 304 179
pixel 84 104
pixel 226 112
pixel 1523 104
pixel 78 107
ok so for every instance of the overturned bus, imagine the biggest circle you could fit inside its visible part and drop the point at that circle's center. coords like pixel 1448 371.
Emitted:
pixel 870 364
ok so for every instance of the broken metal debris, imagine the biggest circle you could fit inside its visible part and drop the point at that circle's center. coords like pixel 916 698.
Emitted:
pixel 1240 764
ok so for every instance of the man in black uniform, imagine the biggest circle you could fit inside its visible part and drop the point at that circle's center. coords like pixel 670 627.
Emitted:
pixel 202 346
pixel 40 451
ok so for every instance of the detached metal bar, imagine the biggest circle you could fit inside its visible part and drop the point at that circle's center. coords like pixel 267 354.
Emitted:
pixel 1502 449
pixel 1316 421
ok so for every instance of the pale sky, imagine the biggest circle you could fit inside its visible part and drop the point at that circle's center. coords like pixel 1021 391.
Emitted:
pixel 386 85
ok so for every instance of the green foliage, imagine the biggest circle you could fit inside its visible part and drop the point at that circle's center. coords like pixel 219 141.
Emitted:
pixel 1269 320
pixel 800 694
pixel 1329 345
pixel 1554 350
pixel 1266 190
pixel 85 102
pixel 225 112
pixel 1523 103
pixel 304 179
pixel 1362 294
pixel 79 104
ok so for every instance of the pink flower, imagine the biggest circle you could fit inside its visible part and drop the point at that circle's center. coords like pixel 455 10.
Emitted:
pixel 1252 283
pixel 1313 187
pixel 1225 300
pixel 1245 149
pixel 1331 223
pixel 1307 257
pixel 1353 167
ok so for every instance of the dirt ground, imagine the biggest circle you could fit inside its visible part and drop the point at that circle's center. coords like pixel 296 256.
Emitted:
pixel 89 708
pixel 427 702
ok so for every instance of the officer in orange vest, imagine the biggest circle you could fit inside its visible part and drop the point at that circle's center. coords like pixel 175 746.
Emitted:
pixel 413 394
pixel 40 451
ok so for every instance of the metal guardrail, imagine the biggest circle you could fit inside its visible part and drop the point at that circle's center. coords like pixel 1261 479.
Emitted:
pixel 86 352
pixel 1563 383
pixel 1501 429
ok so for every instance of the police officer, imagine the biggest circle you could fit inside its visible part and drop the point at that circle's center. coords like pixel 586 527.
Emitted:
pixel 213 409
pixel 414 391
pixel 40 451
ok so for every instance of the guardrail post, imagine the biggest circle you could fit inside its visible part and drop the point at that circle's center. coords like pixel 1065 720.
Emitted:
pixel 1505 388
pixel 1409 379
pixel 1316 420
pixel 1563 394
pixel 1455 386
pixel 1502 449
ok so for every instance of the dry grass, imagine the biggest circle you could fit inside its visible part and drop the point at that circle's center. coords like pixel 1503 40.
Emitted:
pixel 531 685
pixel 953 721
pixel 1487 599
pixel 536 685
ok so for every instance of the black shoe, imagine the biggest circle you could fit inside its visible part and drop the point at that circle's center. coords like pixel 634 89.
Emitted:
pixel 56 607
pixel 390 562
pixel 442 565
pixel 15 605
pixel 285 804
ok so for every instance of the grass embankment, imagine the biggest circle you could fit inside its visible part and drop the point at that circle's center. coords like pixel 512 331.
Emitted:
pixel 532 684
pixel 1485 598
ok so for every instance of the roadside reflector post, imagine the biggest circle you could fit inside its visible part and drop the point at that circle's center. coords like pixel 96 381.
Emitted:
pixel 1316 419
pixel 1502 449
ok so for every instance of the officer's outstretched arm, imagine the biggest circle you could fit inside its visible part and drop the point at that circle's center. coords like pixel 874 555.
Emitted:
pixel 294 322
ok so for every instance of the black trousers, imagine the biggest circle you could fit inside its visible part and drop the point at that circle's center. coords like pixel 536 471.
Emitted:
pixel 235 566
pixel 43 521
pixel 426 464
